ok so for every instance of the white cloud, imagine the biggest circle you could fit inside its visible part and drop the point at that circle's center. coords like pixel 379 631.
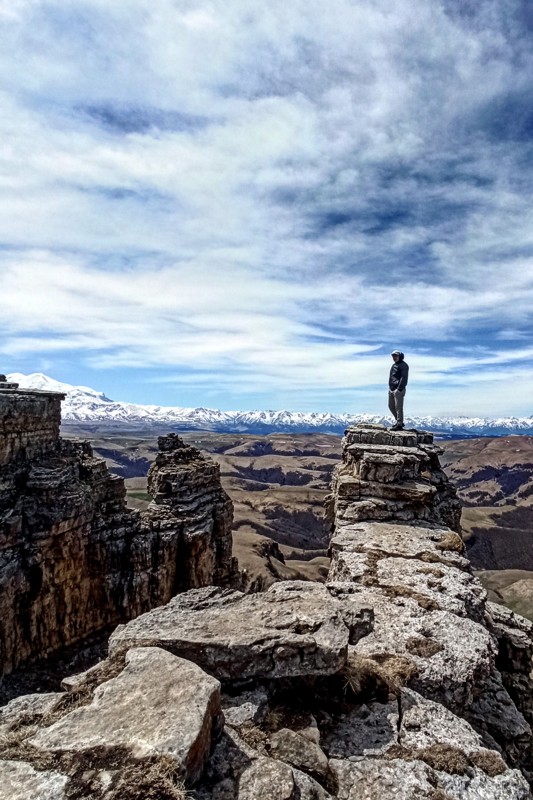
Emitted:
pixel 275 194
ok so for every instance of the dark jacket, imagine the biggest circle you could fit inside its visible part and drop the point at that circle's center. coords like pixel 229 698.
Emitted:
pixel 399 373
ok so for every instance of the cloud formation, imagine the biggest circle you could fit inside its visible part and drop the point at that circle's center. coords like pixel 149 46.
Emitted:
pixel 235 204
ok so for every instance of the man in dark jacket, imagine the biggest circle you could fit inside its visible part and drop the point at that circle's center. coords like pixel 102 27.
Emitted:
pixel 399 373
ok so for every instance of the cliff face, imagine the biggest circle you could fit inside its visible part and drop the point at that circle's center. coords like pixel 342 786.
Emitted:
pixel 73 558
pixel 394 680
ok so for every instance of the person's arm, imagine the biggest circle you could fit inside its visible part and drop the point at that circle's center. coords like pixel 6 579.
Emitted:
pixel 403 376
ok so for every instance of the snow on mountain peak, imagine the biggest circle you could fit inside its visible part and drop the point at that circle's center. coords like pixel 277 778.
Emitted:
pixel 83 404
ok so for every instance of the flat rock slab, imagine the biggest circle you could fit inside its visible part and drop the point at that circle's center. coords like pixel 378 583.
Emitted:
pixel 295 628
pixel 158 705
pixel 437 586
pixel 20 781
pixel 426 543
pixel 453 655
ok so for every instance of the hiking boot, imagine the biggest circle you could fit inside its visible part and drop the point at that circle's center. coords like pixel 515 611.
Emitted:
pixel 397 427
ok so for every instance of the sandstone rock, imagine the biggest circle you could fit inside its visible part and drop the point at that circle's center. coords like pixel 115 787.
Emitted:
pixel 188 497
pixel 20 781
pixel 391 476
pixel 295 749
pixel 160 705
pixel 295 628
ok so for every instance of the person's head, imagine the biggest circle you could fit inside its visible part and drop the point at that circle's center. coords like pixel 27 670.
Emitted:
pixel 397 355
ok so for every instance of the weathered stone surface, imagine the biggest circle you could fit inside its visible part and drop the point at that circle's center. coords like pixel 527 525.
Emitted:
pixel 477 785
pixel 236 771
pixel 514 635
pixel 20 781
pixel 425 723
pixel 295 749
pixel 27 708
pixel 503 727
pixel 159 705
pixel 436 586
pixel 377 779
pixel 73 558
pixel 366 730
pixel 295 628
pixel 391 476
pixel 432 544
pixel 267 778
pixel 452 655
pixel 411 721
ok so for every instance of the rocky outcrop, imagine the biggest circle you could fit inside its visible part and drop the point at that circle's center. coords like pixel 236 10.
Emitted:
pixel 393 680
pixel 73 558
pixel 386 475
pixel 190 503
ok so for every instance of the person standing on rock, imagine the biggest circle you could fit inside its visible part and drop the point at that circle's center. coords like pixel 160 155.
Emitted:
pixel 399 374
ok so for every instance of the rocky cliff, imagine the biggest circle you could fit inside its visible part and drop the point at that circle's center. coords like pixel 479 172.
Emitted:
pixel 396 679
pixel 73 558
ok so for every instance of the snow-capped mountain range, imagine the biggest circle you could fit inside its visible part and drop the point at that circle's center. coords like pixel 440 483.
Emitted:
pixel 85 405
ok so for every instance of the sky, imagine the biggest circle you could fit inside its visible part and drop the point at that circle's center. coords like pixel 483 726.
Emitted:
pixel 243 205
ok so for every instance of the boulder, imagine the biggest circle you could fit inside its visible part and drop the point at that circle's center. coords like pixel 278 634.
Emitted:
pixel 295 628
pixel 295 749
pixel 160 705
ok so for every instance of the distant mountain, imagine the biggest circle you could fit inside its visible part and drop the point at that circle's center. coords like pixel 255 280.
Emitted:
pixel 85 405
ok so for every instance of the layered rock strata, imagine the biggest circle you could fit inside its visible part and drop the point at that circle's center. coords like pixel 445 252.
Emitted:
pixel 73 558
pixel 190 502
pixel 388 475
pixel 394 680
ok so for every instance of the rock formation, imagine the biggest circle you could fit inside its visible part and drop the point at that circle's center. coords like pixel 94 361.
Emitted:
pixel 394 680
pixel 73 558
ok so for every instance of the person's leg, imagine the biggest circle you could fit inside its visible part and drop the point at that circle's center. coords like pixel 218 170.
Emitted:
pixel 392 404
pixel 399 397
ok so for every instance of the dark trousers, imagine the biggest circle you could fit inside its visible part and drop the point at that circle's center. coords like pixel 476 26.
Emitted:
pixel 396 405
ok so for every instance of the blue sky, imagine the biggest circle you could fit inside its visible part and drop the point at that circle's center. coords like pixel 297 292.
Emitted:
pixel 248 205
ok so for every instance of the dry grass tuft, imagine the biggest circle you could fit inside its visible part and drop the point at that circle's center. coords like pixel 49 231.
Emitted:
pixel 254 737
pixel 445 758
pixel 378 676
pixel 451 541
pixel 489 761
pixel 158 781
pixel 423 646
